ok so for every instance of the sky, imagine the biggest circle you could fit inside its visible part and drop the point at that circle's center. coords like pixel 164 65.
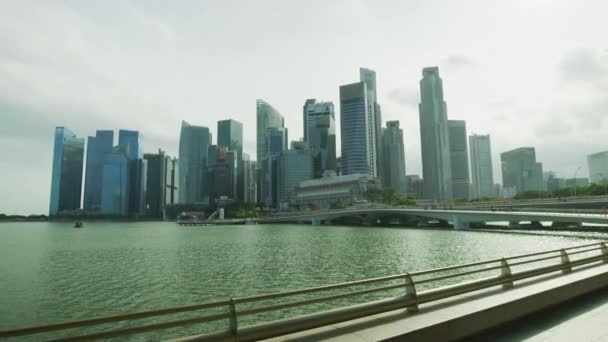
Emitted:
pixel 527 72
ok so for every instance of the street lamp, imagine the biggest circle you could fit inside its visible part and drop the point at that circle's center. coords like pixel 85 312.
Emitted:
pixel 574 180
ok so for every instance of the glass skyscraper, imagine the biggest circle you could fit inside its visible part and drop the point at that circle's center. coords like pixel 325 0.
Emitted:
pixel 294 166
pixel 320 134
pixel 230 134
pixel 66 174
pixel 116 188
pixel 276 142
pixel 598 167
pixel 368 77
pixel 193 144
pixel 482 175
pixel 267 117
pixel 355 123
pixel 521 172
pixel 435 144
pixel 129 142
pixel 394 157
pixel 97 148
pixel 459 158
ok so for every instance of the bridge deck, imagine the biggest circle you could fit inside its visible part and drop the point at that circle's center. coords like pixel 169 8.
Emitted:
pixel 467 315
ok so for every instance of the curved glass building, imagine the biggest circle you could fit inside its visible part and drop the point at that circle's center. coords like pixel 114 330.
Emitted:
pixel 267 117
pixel 66 174
pixel 193 144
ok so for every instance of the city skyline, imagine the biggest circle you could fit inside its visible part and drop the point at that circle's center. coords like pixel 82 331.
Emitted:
pixel 547 121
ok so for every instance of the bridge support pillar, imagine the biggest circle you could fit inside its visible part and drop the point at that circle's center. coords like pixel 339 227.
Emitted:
pixel 459 223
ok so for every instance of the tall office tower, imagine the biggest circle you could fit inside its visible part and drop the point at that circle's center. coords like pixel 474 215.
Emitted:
pixel 159 182
pixel 294 166
pixel 520 171
pixel 320 134
pixel 193 144
pixel 230 134
pixel 394 157
pixel 249 179
pixel 276 141
pixel 172 180
pixel 115 183
pixel 414 185
pixel 368 77
pixel 66 174
pixel 435 144
pixel 266 117
pixel 97 148
pixel 128 141
pixel 598 167
pixel 482 176
pixel 222 169
pixel 459 159
pixel 355 123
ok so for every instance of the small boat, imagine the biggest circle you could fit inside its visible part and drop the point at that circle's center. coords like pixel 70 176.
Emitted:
pixel 78 224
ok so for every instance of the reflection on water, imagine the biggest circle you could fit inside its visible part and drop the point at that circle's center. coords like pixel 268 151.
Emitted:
pixel 51 272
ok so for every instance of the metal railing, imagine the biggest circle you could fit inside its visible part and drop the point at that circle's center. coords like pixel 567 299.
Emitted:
pixel 401 291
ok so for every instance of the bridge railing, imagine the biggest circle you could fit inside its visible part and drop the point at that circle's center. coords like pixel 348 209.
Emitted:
pixel 373 296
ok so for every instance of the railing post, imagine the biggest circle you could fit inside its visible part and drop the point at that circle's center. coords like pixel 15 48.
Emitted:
pixel 233 325
pixel 565 262
pixel 604 251
pixel 505 272
pixel 410 292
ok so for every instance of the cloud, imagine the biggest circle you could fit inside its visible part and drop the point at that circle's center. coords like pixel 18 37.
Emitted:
pixel 404 97
pixel 587 66
pixel 459 62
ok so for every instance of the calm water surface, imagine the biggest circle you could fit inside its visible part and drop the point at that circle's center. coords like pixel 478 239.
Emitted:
pixel 52 272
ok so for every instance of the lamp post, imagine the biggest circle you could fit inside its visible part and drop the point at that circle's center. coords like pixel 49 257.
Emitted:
pixel 574 181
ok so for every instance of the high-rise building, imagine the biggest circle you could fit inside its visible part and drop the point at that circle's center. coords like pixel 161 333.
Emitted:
pixel 276 142
pixel 355 124
pixel 394 157
pixel 97 148
pixel 222 171
pixel 459 159
pixel 230 134
pixel 482 175
pixel 294 166
pixel 249 179
pixel 598 167
pixel 193 144
pixel 172 180
pixel 414 186
pixel 128 142
pixel 368 77
pixel 520 171
pixel 115 183
pixel 66 174
pixel 266 117
pixel 435 144
pixel 160 182
pixel 320 134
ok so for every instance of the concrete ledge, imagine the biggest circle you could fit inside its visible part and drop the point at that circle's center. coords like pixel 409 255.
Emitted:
pixel 465 315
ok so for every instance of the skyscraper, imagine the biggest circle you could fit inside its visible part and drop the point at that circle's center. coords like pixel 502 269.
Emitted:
pixel 266 117
pixel 394 157
pixel 368 77
pixel 598 167
pixel 482 176
pixel 459 158
pixel 159 182
pixel 520 171
pixel 193 144
pixel 320 134
pixel 249 179
pixel 435 144
pixel 66 174
pixel 128 142
pixel 294 166
pixel 97 148
pixel 355 122
pixel 115 192
pixel 222 169
pixel 276 141
pixel 230 134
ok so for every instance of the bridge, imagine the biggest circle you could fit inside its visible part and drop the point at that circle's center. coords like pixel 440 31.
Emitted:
pixel 449 303
pixel 579 202
pixel 459 218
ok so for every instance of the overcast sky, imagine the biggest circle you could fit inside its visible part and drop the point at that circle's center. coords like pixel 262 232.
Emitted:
pixel 527 72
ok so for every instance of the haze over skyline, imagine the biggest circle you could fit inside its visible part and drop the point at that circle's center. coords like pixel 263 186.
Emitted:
pixel 527 72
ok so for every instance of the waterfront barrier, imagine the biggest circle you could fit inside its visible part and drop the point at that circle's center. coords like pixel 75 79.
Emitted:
pixel 405 291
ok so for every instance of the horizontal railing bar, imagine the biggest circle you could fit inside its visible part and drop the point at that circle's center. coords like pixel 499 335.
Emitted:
pixel 108 319
pixel 317 300
pixel 257 298
pixel 144 328
pixel 552 251
pixel 456 275
pixel 585 251
pixel 534 260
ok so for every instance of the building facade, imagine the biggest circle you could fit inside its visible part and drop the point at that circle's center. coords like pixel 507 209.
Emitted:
pixel 320 134
pixel 159 182
pixel 368 77
pixel 356 124
pixel 276 143
pixel 482 175
pixel 332 191
pixel 394 157
pixel 249 179
pixel 222 173
pixel 193 144
pixel 459 159
pixel 97 148
pixel 521 172
pixel 294 166
pixel 598 167
pixel 230 134
pixel 115 190
pixel 435 144
pixel 66 173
